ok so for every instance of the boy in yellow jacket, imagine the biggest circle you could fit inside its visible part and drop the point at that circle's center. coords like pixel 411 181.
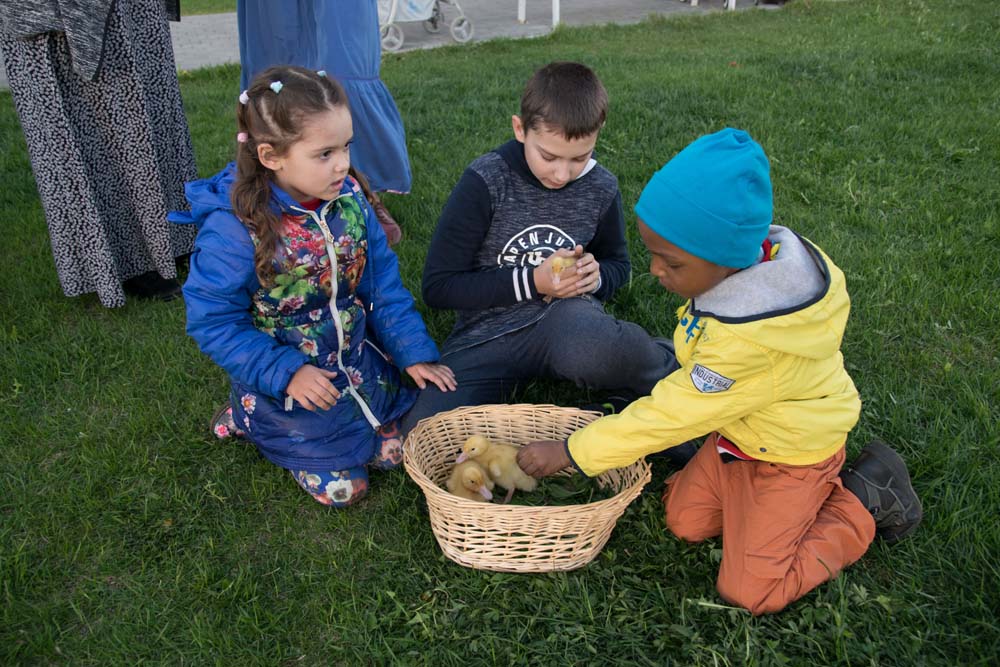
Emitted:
pixel 761 371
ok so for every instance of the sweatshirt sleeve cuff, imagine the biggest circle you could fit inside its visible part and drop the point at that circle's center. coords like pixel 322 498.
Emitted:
pixel 524 283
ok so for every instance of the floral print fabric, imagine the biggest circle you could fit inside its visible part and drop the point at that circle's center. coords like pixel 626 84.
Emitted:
pixel 315 305
pixel 336 488
pixel 339 304
pixel 296 309
pixel 342 488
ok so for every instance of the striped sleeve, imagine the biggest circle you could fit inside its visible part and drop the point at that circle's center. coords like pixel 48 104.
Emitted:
pixel 524 283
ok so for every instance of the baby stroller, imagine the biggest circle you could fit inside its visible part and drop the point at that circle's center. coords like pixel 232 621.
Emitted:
pixel 391 12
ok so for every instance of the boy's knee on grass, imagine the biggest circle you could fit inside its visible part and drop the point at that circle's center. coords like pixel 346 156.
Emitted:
pixel 687 520
pixel 761 586
pixel 606 353
pixel 687 530
pixel 686 523
pixel 757 602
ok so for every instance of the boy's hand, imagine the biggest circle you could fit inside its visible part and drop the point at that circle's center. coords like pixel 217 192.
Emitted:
pixel 559 284
pixel 588 274
pixel 543 458
pixel 440 375
pixel 311 387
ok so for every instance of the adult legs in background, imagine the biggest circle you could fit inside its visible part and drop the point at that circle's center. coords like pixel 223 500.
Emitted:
pixel 110 155
pixel 340 37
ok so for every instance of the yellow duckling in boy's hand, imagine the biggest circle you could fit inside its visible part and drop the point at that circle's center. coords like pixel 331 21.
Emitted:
pixel 469 480
pixel 560 264
pixel 500 461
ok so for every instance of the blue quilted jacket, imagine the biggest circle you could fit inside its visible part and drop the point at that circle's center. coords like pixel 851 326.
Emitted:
pixel 351 315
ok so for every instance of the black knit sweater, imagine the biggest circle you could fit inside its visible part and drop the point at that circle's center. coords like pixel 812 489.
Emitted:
pixel 500 223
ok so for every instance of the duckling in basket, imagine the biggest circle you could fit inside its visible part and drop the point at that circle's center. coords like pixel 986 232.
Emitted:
pixel 500 461
pixel 470 480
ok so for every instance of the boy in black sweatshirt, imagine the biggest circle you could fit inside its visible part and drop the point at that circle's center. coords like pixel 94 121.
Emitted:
pixel 493 259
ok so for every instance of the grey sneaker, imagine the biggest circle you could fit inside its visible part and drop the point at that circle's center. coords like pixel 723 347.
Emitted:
pixel 879 479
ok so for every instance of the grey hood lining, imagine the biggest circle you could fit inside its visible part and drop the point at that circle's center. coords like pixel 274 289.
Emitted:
pixel 796 278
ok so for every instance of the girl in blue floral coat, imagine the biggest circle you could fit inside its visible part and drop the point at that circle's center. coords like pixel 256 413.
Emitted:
pixel 294 292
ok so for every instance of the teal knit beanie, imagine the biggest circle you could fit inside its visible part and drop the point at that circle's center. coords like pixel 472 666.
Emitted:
pixel 713 199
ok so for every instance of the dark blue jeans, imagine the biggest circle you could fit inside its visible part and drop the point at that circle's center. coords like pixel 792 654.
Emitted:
pixel 575 341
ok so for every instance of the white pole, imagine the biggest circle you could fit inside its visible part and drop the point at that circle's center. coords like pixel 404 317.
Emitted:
pixel 521 11
pixel 555 13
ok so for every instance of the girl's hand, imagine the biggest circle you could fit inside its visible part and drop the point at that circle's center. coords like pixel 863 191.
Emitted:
pixel 311 387
pixel 436 373
pixel 543 458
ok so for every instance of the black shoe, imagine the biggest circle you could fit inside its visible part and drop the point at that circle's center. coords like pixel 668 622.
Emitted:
pixel 879 479
pixel 151 285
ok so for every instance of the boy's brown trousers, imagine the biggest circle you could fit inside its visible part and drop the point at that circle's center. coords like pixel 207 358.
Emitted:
pixel 785 529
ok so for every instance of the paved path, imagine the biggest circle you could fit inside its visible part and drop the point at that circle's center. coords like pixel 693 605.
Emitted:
pixel 211 39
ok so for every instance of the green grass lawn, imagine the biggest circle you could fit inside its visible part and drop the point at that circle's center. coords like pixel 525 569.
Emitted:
pixel 191 7
pixel 129 536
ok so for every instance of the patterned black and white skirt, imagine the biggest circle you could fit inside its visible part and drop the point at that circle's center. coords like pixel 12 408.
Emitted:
pixel 110 156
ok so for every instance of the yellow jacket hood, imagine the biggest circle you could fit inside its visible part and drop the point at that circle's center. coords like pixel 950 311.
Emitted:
pixel 797 303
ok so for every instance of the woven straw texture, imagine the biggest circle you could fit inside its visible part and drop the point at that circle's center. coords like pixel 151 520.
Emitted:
pixel 512 538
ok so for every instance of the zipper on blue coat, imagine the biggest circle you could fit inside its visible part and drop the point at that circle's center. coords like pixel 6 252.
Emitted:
pixel 320 220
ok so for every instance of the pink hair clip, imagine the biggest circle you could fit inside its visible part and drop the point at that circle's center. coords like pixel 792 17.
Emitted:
pixel 244 98
pixel 242 137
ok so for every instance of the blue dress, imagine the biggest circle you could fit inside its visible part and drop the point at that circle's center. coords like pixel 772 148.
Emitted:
pixel 342 38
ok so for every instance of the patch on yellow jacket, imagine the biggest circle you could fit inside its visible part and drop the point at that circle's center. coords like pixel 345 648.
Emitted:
pixel 708 381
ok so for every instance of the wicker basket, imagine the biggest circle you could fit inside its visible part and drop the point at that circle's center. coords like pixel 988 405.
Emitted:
pixel 512 538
